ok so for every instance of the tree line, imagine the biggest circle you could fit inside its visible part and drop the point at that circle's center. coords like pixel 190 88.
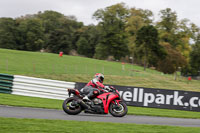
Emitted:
pixel 168 44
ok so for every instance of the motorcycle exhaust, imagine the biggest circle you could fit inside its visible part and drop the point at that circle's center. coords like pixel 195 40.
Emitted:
pixel 83 104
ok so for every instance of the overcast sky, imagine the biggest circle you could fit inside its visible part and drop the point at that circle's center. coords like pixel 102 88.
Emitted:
pixel 84 9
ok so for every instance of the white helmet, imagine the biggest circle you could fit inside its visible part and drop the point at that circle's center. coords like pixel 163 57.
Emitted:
pixel 99 77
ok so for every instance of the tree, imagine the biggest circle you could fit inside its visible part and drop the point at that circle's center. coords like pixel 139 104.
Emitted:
pixel 113 36
pixel 195 58
pixel 33 34
pixel 58 41
pixel 168 27
pixel 83 46
pixel 168 21
pixel 88 39
pixel 136 19
pixel 50 20
pixel 60 31
pixel 176 33
pixel 195 32
pixel 148 43
pixel 173 61
pixel 8 33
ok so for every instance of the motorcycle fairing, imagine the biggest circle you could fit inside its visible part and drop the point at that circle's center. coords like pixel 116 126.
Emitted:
pixel 106 99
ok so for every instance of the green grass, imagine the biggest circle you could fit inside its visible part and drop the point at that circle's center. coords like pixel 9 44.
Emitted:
pixel 25 101
pixel 15 125
pixel 162 112
pixel 15 100
pixel 80 69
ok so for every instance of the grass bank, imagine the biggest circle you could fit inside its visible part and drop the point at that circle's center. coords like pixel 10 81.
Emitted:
pixel 80 69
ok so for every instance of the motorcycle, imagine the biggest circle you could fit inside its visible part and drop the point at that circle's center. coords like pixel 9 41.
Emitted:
pixel 106 101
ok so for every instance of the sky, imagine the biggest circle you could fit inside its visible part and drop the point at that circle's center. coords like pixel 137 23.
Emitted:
pixel 84 9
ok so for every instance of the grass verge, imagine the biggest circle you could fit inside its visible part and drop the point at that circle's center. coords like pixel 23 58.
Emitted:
pixel 24 101
pixel 15 125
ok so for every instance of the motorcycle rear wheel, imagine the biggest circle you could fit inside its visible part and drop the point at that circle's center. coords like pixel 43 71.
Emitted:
pixel 119 111
pixel 71 109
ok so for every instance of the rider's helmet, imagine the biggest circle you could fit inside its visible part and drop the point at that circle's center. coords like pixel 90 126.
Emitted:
pixel 99 77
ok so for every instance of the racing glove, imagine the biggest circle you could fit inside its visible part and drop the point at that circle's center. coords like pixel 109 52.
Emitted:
pixel 107 88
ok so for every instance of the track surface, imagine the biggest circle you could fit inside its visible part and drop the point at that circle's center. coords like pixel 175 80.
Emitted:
pixel 23 112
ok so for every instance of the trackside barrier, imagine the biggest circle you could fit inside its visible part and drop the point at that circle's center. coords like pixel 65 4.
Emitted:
pixel 36 87
pixel 132 96
pixel 6 83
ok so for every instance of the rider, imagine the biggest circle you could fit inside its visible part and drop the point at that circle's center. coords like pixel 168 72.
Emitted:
pixel 94 86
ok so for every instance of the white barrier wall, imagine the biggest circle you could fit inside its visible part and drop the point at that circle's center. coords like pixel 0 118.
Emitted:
pixel 38 87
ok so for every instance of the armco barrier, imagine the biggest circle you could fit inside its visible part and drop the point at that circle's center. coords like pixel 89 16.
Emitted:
pixel 6 77
pixel 36 87
pixel 6 83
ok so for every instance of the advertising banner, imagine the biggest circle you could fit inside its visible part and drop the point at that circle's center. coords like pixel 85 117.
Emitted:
pixel 157 98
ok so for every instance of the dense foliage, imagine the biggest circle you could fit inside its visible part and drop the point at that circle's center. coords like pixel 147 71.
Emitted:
pixel 147 42
pixel 168 45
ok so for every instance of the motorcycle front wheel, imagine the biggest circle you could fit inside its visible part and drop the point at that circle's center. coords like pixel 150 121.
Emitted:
pixel 71 106
pixel 119 110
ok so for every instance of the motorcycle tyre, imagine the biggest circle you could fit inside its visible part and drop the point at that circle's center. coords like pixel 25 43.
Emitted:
pixel 113 113
pixel 67 110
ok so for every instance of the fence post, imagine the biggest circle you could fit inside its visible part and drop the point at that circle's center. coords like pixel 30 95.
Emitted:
pixel 103 69
pixel 86 69
pixel 95 69
pixel 34 67
pixel 65 68
pixel 7 65
pixel 76 69
pixel 53 67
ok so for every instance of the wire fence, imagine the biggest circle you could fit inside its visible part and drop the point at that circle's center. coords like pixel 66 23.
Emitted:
pixel 38 67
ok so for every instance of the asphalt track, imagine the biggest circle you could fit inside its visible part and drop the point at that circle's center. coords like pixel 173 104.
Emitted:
pixel 38 113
